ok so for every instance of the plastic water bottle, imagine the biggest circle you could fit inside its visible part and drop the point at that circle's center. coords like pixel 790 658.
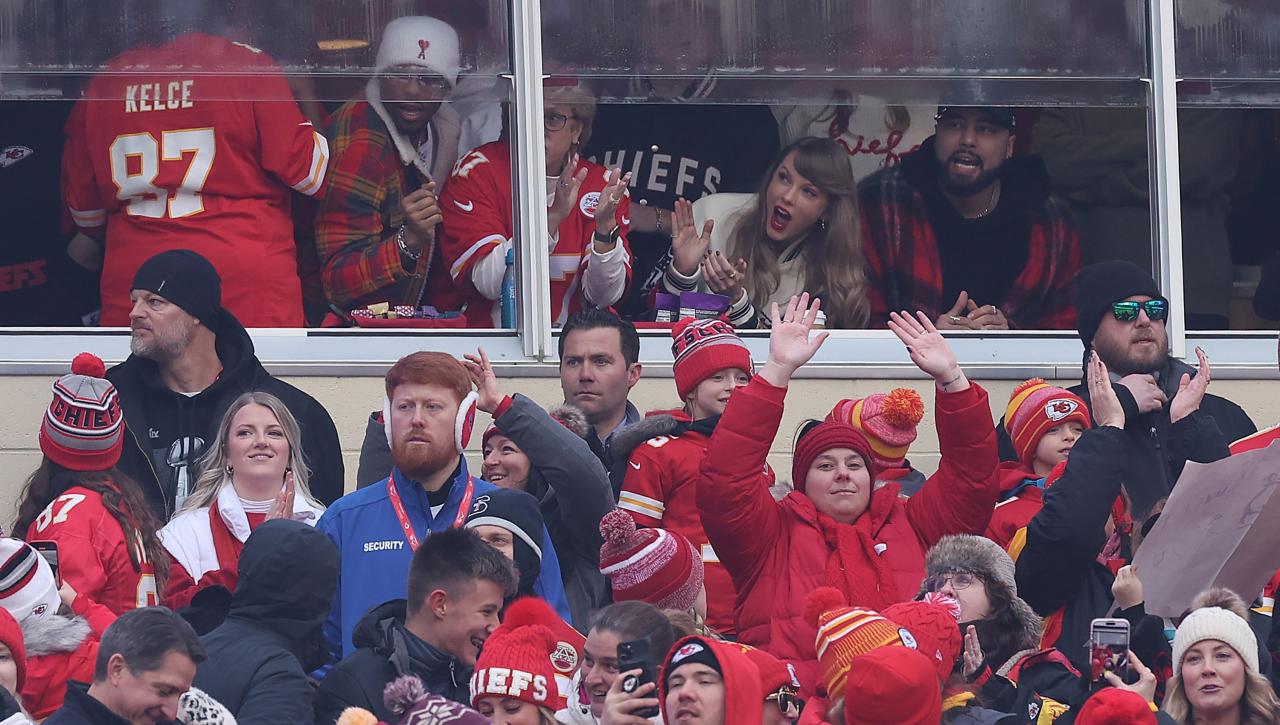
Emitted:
pixel 508 294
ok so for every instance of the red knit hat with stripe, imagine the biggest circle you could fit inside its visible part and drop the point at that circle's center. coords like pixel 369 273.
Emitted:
pixel 774 673
pixel 844 633
pixel 516 663
pixel 933 626
pixel 569 641
pixel 823 437
pixel 888 421
pixel 83 429
pixel 1036 406
pixel 704 347
pixel 656 566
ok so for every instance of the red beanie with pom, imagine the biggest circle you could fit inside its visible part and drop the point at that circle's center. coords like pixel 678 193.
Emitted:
pixel 824 437
pixel 569 641
pixel 844 632
pixel 83 428
pixel 516 663
pixel 1112 706
pixel 932 625
pixel 1034 408
pixel 652 565
pixel 892 686
pixel 888 421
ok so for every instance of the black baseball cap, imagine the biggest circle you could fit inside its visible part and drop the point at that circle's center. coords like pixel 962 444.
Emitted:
pixel 1002 116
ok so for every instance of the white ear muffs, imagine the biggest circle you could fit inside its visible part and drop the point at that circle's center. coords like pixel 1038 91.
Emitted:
pixel 465 422
pixel 462 426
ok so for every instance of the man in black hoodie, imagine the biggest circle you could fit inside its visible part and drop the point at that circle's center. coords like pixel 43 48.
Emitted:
pixel 967 232
pixel 191 359
pixel 457 584
pixel 260 655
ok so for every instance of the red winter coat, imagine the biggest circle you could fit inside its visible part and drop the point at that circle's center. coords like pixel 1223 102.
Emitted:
pixel 1020 502
pixel 777 553
pixel 61 649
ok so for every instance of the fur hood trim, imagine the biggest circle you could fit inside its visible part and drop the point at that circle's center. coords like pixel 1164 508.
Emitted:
pixel 626 439
pixel 571 417
pixel 54 635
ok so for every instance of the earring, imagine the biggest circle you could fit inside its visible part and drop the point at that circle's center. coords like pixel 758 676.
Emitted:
pixel 822 224
pixel 230 470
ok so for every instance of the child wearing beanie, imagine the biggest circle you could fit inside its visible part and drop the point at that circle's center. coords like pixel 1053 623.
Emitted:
pixel 1044 422
pixel 108 549
pixel 666 450
pixel 656 566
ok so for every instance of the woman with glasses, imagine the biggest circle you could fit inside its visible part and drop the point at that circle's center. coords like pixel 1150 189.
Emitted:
pixel 836 528
pixel 587 218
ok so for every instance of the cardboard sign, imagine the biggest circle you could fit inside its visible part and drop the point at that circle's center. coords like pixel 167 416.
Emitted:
pixel 1220 527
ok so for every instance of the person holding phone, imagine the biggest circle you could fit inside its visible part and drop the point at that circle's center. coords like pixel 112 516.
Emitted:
pixel 80 505
pixel 597 695
pixel 255 473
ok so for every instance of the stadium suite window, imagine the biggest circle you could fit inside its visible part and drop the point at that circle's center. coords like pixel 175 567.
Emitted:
pixel 871 65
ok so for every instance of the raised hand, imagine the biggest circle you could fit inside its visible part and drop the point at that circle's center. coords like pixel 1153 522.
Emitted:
pixel 1145 687
pixel 973 655
pixel 282 507
pixel 489 394
pixel 789 343
pixel 566 196
pixel 610 197
pixel 723 277
pixel 688 247
pixel 1103 403
pixel 421 215
pixel 1127 588
pixel 1190 390
pixel 929 350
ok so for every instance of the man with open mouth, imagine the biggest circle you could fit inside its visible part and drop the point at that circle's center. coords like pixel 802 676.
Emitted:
pixel 968 232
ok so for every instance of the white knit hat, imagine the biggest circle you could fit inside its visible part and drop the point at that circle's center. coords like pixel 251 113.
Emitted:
pixel 27 585
pixel 422 41
pixel 1220 624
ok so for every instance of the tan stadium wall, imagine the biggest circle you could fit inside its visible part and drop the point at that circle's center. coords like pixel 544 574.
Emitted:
pixel 350 400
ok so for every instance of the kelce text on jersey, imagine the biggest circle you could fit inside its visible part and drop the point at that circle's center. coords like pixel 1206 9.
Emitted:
pixel 158 96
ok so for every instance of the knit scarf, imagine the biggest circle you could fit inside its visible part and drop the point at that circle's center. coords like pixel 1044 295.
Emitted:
pixel 853 565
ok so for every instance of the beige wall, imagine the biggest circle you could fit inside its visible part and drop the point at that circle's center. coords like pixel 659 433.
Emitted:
pixel 350 400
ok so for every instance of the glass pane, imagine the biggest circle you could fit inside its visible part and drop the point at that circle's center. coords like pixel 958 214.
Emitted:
pixel 1228 39
pixel 291 149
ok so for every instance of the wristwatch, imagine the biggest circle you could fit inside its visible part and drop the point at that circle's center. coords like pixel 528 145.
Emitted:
pixel 610 238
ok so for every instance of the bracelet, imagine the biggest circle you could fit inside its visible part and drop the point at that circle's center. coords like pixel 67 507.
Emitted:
pixel 658 213
pixel 404 248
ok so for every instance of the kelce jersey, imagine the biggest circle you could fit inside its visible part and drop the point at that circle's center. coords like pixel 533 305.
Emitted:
pixel 189 156
pixel 660 491
pixel 476 205
pixel 93 555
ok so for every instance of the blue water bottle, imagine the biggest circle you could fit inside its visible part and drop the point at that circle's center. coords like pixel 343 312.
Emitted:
pixel 508 295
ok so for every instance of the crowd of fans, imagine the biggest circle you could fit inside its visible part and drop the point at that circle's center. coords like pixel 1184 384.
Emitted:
pixel 398 201
pixel 185 550
pixel 603 567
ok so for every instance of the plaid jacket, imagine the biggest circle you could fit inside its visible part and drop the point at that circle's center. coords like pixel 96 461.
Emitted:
pixel 904 272
pixel 361 207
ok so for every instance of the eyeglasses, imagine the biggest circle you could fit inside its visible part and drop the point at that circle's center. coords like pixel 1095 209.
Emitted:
pixel 554 121
pixel 958 581
pixel 1128 311
pixel 432 83
pixel 789 703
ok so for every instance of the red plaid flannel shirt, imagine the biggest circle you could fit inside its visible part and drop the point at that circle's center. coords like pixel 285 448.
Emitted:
pixel 904 271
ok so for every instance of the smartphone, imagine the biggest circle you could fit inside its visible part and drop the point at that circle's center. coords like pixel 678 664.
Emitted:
pixel 635 655
pixel 1109 648
pixel 49 550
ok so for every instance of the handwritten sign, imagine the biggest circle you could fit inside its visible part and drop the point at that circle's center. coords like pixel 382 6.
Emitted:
pixel 1220 527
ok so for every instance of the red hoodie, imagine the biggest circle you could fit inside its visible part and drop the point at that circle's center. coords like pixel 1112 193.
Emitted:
pixel 1020 500
pixel 743 694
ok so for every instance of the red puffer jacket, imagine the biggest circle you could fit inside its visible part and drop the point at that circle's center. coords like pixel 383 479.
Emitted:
pixel 777 553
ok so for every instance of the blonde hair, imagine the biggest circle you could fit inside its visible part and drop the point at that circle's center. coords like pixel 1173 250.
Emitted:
pixel 213 464
pixel 1258 704
pixel 687 623
pixel 580 100
pixel 834 266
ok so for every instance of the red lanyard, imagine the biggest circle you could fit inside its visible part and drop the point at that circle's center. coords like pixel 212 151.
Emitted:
pixel 463 508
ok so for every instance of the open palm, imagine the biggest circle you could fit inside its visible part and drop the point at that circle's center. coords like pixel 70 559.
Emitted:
pixel 789 343
pixel 929 350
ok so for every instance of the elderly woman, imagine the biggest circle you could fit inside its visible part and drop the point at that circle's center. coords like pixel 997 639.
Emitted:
pixel 254 474
pixel 587 217
pixel 835 529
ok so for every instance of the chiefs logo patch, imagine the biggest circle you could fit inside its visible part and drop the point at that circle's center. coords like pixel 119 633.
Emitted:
pixel 11 155
pixel 908 639
pixel 688 650
pixel 565 658
pixel 1056 410
pixel 589 202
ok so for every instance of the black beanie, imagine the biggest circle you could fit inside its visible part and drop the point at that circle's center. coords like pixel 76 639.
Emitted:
pixel 1101 284
pixel 517 512
pixel 187 280
pixel 690 650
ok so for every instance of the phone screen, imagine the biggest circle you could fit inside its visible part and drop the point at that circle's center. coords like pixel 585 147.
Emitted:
pixel 49 551
pixel 1109 652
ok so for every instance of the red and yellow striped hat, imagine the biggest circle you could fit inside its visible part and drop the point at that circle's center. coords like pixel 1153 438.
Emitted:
pixel 844 632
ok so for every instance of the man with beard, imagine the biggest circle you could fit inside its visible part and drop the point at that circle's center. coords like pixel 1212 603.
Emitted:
pixel 427 414
pixel 967 233
pixel 1122 316
pixel 376 228
pixel 191 359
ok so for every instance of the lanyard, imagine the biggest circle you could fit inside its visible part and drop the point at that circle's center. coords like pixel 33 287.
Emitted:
pixel 463 508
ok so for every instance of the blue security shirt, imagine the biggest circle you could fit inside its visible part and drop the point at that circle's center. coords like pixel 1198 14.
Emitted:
pixel 375 555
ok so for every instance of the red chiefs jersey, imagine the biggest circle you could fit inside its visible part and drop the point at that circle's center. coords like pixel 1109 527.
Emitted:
pixel 477 210
pixel 659 491
pixel 195 144
pixel 93 554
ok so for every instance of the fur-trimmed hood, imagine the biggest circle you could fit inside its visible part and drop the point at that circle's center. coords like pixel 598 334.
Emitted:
pixel 658 423
pixel 982 556
pixel 54 635
pixel 571 417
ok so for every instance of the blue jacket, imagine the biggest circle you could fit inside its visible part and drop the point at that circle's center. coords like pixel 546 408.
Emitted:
pixel 376 556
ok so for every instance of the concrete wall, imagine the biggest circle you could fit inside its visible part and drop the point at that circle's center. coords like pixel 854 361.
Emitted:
pixel 350 399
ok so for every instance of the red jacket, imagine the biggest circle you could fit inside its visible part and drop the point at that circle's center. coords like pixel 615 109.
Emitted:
pixel 61 649
pixel 743 694
pixel 777 553
pixel 1019 503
